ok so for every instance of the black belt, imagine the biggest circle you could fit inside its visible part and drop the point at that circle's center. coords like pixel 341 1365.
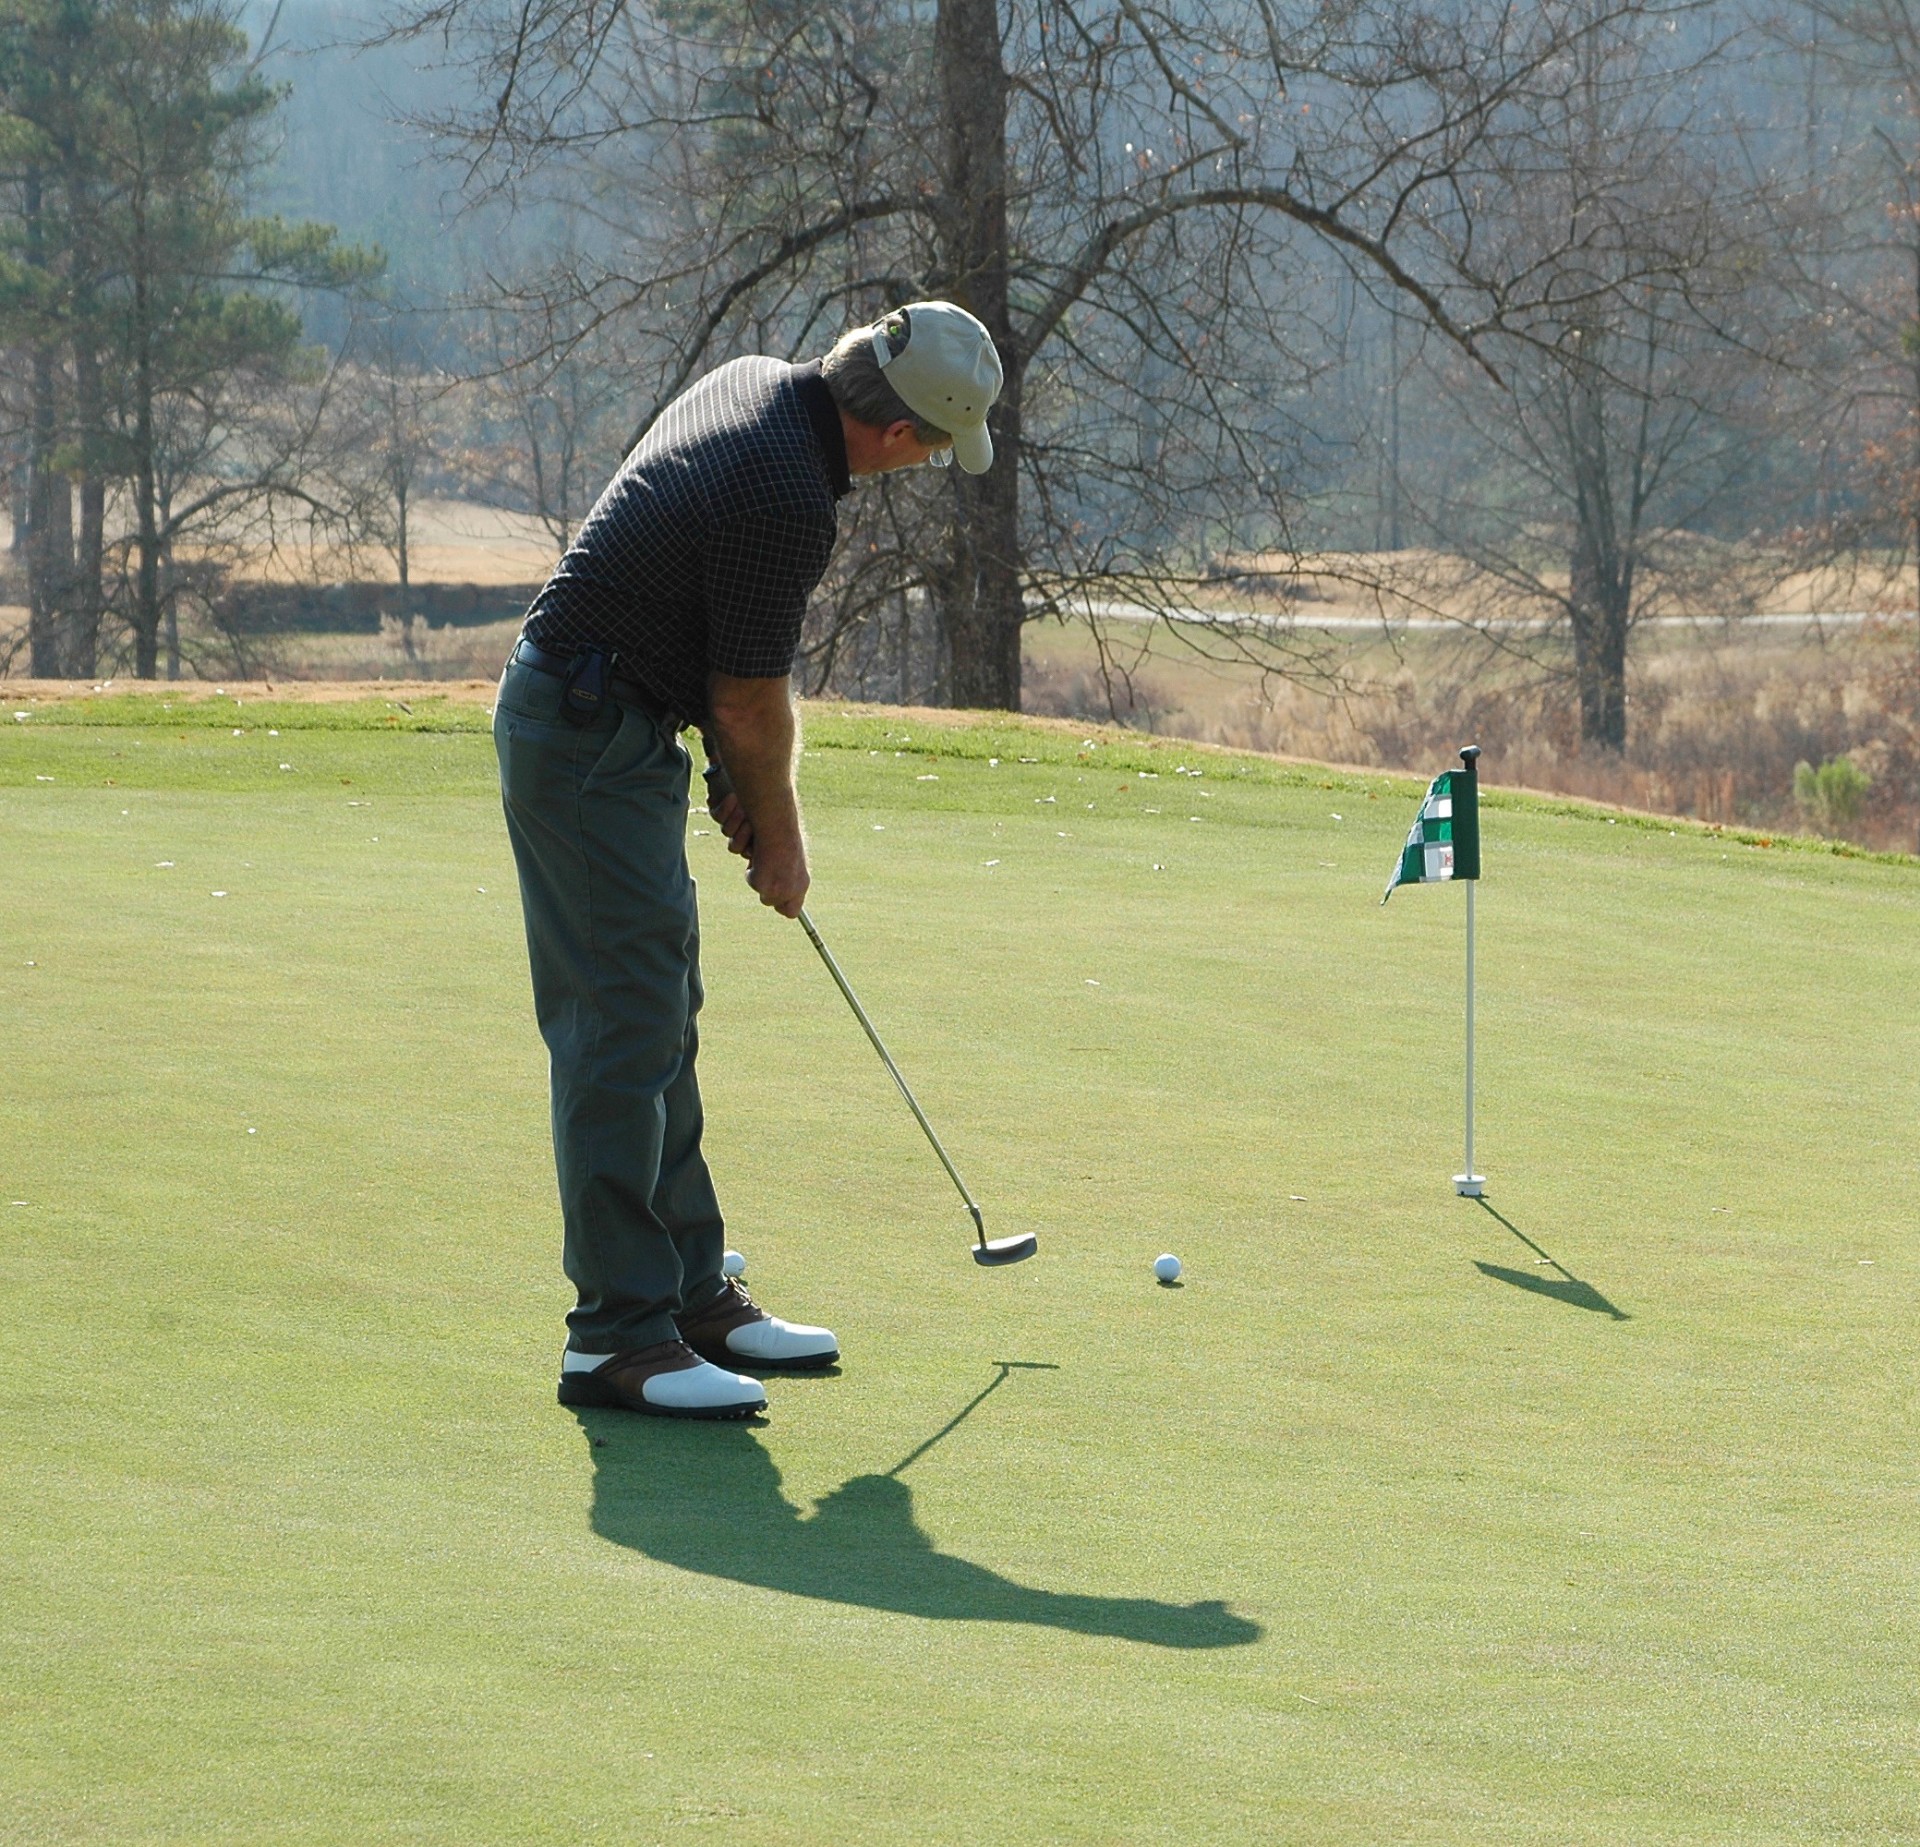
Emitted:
pixel 624 686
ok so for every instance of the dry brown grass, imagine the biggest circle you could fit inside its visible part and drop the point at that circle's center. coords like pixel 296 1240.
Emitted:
pixel 449 542
pixel 1717 721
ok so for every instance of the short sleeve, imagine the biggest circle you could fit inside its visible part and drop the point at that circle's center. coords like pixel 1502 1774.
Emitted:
pixel 760 569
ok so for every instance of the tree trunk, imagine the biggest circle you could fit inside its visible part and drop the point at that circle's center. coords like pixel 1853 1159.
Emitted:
pixel 400 486
pixel 89 409
pixel 169 590
pixel 146 589
pixel 49 527
pixel 89 597
pixel 146 580
pixel 49 546
pixel 1600 604
pixel 1602 564
pixel 984 610
pixel 977 587
pixel 1393 433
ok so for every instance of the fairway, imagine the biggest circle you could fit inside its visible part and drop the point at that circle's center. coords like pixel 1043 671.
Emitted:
pixel 1585 1515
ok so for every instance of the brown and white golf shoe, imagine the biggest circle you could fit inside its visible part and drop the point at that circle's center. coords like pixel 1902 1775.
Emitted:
pixel 667 1379
pixel 732 1330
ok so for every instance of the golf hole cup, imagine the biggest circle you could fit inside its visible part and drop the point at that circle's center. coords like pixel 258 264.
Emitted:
pixel 1166 1267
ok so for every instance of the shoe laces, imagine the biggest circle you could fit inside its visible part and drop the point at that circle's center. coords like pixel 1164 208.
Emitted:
pixel 731 1301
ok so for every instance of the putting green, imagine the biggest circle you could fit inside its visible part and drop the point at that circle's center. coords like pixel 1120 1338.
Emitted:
pixel 1584 1516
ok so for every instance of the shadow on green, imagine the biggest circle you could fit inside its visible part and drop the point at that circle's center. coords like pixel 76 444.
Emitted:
pixel 1566 1287
pixel 706 1498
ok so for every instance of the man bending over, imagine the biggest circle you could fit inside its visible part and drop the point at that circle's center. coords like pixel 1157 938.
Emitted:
pixel 679 603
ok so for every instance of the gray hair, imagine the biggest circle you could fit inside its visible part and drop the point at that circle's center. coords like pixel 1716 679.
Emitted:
pixel 859 384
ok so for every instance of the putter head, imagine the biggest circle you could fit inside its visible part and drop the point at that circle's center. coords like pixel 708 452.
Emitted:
pixel 992 1251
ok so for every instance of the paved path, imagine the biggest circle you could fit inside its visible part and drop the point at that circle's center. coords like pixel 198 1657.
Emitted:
pixel 1401 625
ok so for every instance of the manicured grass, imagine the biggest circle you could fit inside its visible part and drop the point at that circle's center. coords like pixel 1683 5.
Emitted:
pixel 1584 1518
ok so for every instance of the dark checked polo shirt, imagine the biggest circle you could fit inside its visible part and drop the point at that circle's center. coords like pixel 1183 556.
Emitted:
pixel 702 552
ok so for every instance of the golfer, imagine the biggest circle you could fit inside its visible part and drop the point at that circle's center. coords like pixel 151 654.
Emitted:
pixel 679 604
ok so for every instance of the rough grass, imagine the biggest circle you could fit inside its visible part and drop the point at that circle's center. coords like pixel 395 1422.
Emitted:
pixel 1718 718
pixel 1581 1519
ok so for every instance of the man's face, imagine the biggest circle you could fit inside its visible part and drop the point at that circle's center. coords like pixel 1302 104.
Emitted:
pixel 872 450
pixel 902 449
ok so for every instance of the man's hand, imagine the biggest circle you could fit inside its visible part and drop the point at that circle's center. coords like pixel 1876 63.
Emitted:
pixel 722 802
pixel 753 740
pixel 781 879
pixel 733 821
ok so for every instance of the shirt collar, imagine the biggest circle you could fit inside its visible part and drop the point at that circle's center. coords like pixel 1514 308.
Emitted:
pixel 824 414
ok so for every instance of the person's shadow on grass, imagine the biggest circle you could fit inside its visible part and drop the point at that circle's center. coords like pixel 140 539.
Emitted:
pixel 707 1498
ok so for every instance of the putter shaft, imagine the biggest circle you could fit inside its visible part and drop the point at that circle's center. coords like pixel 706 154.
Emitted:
pixel 886 1058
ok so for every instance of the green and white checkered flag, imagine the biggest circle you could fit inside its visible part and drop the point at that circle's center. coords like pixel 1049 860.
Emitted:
pixel 1445 840
pixel 1444 845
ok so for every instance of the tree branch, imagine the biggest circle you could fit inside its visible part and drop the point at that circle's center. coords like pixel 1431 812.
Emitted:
pixel 1098 250
pixel 794 244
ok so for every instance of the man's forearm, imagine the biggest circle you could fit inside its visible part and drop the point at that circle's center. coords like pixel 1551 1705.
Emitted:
pixel 757 738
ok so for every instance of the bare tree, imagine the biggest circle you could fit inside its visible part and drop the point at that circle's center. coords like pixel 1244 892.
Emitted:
pixel 1870 187
pixel 392 404
pixel 1622 476
pixel 1148 206
pixel 548 408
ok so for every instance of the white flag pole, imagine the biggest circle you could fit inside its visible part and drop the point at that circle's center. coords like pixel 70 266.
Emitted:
pixel 1469 1184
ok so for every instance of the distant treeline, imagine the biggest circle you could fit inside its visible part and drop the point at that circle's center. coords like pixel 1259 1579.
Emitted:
pixel 1577 314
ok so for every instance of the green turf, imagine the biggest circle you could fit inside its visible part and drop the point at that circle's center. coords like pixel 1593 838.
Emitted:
pixel 1586 1518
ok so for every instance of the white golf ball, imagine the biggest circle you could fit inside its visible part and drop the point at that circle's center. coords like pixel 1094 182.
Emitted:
pixel 1167 1267
pixel 733 1264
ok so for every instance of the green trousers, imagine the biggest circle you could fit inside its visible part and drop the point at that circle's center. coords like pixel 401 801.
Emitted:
pixel 598 817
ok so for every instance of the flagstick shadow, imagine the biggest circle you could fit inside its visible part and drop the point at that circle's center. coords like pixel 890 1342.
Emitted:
pixel 706 1498
pixel 1566 1287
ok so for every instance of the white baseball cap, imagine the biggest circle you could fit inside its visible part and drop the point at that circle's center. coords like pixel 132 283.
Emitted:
pixel 946 373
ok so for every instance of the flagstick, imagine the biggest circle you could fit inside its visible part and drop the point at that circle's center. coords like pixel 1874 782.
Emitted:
pixel 1470 1185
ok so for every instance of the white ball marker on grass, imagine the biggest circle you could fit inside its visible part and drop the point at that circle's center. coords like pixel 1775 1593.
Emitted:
pixel 1167 1267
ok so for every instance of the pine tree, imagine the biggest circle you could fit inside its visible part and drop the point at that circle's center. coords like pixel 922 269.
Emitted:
pixel 137 126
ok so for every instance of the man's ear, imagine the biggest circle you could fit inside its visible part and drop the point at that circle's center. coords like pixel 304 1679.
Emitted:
pixel 901 431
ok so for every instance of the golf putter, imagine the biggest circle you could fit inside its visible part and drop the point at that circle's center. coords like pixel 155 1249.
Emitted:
pixel 986 1250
